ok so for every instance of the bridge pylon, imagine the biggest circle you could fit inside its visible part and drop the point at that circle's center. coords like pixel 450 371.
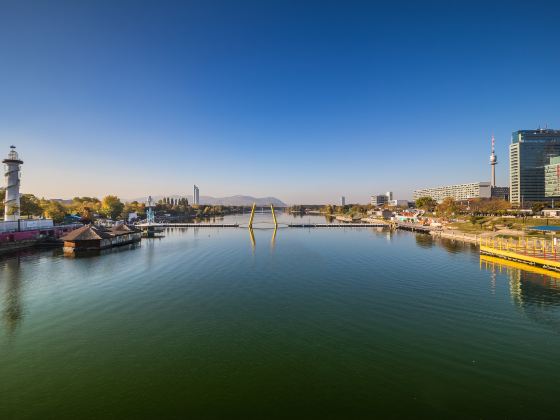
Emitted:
pixel 250 226
pixel 274 216
pixel 252 215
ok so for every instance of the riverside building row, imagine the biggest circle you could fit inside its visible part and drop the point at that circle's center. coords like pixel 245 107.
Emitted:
pixel 471 190
pixel 534 172
pixel 463 192
pixel 459 192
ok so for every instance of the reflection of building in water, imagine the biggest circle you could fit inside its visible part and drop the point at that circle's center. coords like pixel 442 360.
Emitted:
pixel 534 290
pixel 10 286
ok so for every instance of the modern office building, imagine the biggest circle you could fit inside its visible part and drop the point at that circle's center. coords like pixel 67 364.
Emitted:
pixel 342 201
pixel 196 195
pixel 501 193
pixel 398 203
pixel 529 152
pixel 378 200
pixel 552 178
pixel 381 199
pixel 458 192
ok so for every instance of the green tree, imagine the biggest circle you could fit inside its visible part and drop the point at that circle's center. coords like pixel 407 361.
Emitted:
pixel 537 207
pixel 328 209
pixel 426 203
pixel 30 205
pixel 111 206
pixel 134 207
pixel 53 210
pixel 448 207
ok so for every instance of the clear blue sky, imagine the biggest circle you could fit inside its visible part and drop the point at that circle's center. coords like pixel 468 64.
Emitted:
pixel 302 100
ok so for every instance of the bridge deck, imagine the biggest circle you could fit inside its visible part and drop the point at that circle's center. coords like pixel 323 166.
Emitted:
pixel 165 225
pixel 235 225
pixel 335 225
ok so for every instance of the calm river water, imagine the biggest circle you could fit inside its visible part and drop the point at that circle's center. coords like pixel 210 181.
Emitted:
pixel 330 323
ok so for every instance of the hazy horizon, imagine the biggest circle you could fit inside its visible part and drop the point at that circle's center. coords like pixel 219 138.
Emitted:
pixel 305 102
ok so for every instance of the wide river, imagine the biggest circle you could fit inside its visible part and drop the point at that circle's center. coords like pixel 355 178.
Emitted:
pixel 306 323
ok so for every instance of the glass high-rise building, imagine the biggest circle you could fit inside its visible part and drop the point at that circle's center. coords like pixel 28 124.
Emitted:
pixel 529 152
pixel 196 196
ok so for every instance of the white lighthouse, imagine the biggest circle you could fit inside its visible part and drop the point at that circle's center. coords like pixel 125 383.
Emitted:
pixel 493 162
pixel 11 175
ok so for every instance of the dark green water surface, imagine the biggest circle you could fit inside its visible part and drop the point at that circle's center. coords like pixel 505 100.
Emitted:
pixel 320 323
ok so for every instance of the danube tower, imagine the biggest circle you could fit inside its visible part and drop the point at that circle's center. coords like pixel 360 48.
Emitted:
pixel 493 162
pixel 11 174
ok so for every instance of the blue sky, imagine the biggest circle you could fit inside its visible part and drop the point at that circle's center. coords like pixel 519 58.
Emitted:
pixel 302 100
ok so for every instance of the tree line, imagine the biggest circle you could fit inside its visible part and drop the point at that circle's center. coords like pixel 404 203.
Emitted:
pixel 476 206
pixel 87 208
pixel 112 207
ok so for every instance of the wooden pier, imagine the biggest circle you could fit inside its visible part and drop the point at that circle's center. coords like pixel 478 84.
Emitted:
pixel 536 252
pixel 415 227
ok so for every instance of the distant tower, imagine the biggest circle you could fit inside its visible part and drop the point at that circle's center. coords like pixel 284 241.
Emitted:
pixel 342 201
pixel 389 195
pixel 196 197
pixel 493 162
pixel 150 214
pixel 12 176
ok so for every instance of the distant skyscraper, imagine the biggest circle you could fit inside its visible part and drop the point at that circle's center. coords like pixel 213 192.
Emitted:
pixel 342 201
pixel 529 152
pixel 196 197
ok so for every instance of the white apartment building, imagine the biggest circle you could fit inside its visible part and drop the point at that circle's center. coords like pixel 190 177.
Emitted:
pixel 458 192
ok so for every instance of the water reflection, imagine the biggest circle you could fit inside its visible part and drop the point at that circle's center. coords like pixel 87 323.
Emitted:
pixel 11 283
pixel 252 237
pixel 424 241
pixel 533 290
pixel 273 239
pixel 254 242
pixel 455 246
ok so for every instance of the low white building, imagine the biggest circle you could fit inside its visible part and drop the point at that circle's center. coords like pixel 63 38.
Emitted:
pixel 551 212
pixel 398 203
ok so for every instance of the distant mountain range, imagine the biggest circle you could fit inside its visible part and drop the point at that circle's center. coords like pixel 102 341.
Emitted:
pixel 234 200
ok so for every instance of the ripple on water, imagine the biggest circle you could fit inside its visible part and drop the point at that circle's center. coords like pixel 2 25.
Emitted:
pixel 327 314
